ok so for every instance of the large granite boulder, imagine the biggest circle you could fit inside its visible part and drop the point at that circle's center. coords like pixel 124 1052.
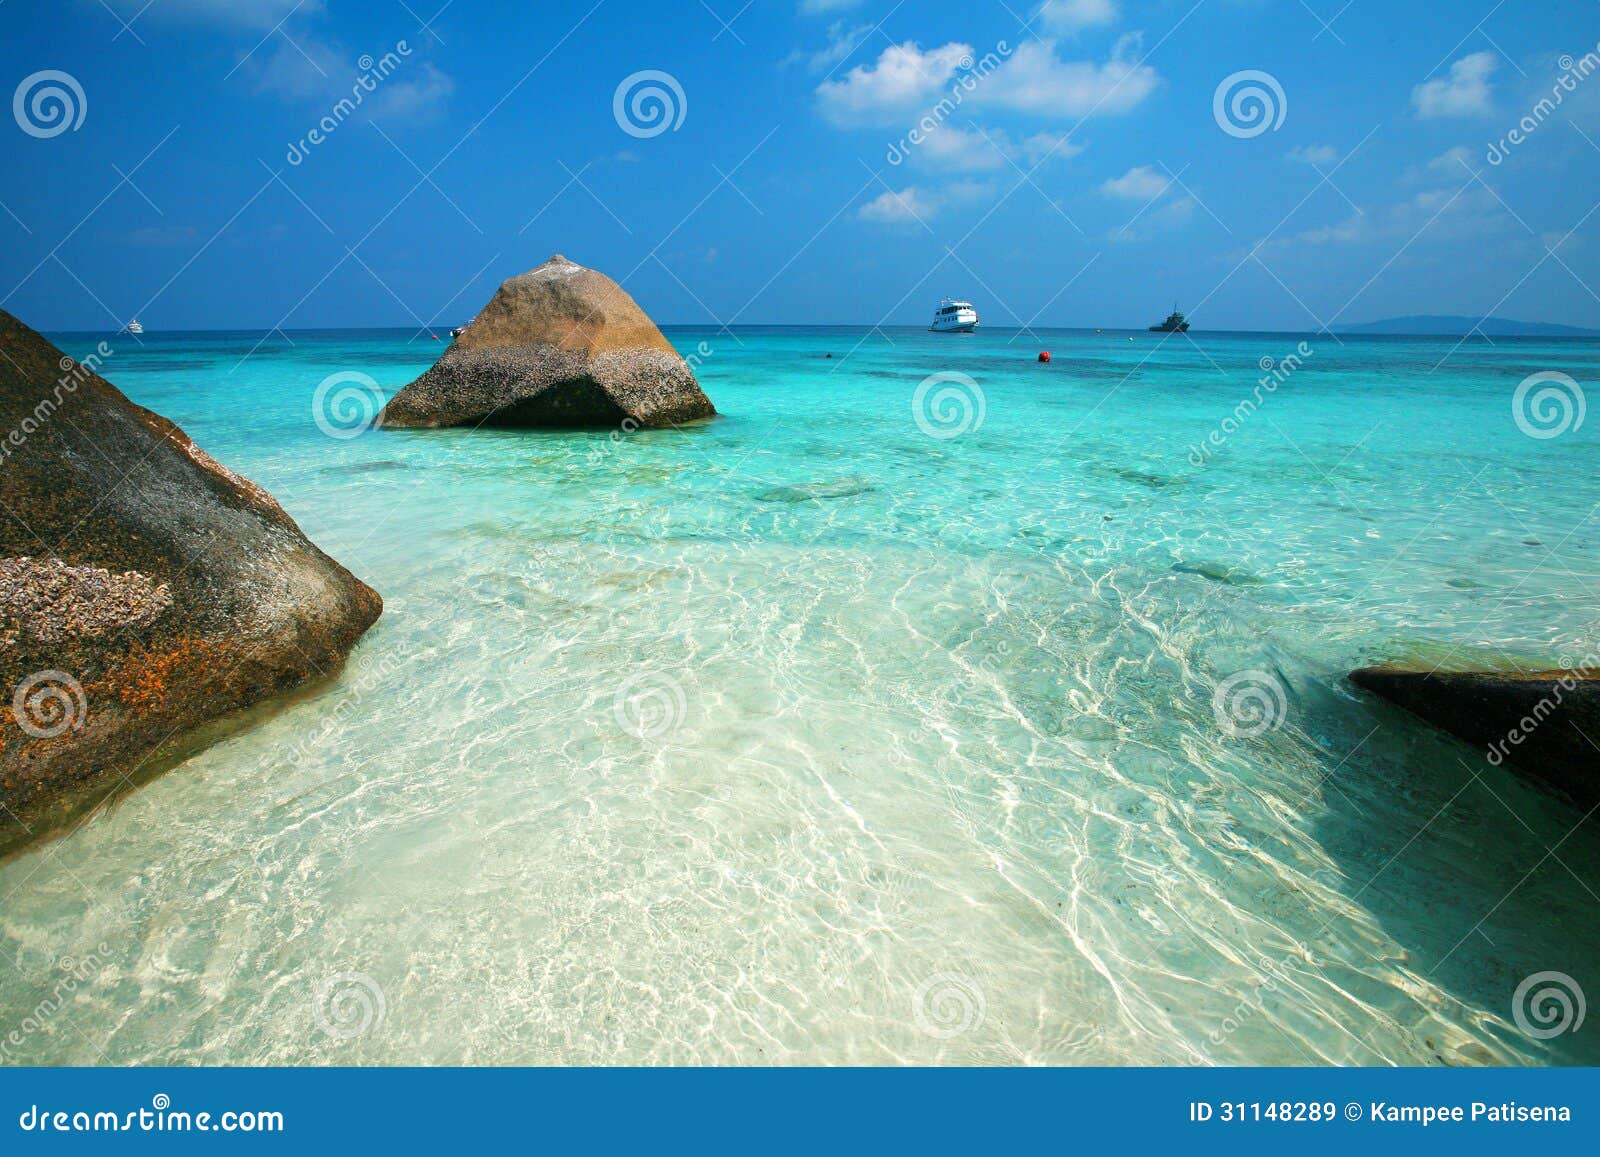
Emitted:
pixel 560 345
pixel 1545 723
pixel 144 588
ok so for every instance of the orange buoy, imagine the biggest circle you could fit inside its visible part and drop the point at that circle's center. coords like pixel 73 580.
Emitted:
pixel 1044 355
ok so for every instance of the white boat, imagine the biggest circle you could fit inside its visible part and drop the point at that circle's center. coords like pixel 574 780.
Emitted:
pixel 135 327
pixel 954 317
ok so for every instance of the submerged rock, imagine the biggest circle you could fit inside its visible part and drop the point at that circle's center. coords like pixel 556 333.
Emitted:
pixel 1545 723
pixel 810 491
pixel 379 467
pixel 1218 572
pixel 560 345
pixel 144 588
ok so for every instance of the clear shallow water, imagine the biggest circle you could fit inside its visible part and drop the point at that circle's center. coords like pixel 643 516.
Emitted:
pixel 805 736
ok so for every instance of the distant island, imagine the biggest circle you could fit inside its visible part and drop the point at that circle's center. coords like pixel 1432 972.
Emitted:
pixel 1442 325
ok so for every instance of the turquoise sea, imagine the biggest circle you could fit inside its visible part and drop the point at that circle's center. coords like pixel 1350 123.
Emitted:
pixel 981 721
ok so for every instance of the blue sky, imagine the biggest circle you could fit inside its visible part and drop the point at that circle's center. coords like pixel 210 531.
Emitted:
pixel 1088 174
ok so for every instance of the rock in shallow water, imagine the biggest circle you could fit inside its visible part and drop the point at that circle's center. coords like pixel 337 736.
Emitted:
pixel 1219 572
pixel 560 345
pixel 811 491
pixel 1545 723
pixel 144 588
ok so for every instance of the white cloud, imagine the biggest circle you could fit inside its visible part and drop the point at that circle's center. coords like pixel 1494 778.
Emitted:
pixel 417 96
pixel 915 204
pixel 1464 92
pixel 1034 79
pixel 296 73
pixel 1431 215
pixel 1140 183
pixel 974 150
pixel 813 7
pixel 908 206
pixel 1049 146
pixel 1454 164
pixel 318 72
pixel 843 39
pixel 902 81
pixel 1071 15
pixel 1451 161
pixel 1167 217
pixel 1321 156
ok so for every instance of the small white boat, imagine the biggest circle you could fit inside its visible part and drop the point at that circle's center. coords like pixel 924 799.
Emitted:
pixel 954 317
pixel 134 326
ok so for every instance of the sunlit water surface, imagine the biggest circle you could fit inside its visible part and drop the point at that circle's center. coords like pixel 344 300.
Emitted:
pixel 809 736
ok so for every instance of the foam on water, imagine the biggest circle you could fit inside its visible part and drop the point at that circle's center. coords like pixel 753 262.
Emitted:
pixel 811 736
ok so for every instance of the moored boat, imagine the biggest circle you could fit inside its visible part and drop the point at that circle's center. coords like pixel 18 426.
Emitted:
pixel 1175 323
pixel 954 317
